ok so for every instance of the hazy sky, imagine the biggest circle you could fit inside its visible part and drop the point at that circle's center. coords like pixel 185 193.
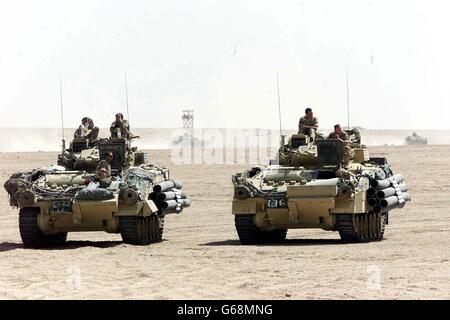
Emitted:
pixel 221 58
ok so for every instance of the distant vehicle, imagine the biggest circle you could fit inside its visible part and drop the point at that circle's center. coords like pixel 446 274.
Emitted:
pixel 188 139
pixel 69 197
pixel 415 139
pixel 309 188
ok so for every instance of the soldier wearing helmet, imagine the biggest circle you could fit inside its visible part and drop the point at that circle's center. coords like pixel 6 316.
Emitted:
pixel 87 130
pixel 343 138
pixel 104 166
pixel 120 128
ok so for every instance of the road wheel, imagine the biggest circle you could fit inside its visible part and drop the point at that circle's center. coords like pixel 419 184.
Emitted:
pixel 364 227
pixel 32 236
pixel 355 228
pixel 348 227
pixel 249 234
pixel 141 230
pixel 382 225
pixel 247 231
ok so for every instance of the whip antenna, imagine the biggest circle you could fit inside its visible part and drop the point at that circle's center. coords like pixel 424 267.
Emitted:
pixel 62 114
pixel 126 96
pixel 348 104
pixel 279 104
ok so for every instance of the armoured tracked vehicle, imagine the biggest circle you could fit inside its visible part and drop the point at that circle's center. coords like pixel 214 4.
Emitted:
pixel 415 139
pixel 69 197
pixel 308 187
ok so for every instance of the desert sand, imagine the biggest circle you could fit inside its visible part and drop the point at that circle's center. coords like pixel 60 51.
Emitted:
pixel 201 257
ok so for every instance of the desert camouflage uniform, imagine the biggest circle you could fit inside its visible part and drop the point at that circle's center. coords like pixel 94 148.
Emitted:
pixel 308 122
pixel 90 132
pixel 81 132
pixel 124 129
pixel 93 134
pixel 346 150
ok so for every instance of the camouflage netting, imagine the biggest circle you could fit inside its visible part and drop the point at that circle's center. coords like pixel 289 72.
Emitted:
pixel 13 185
pixel 138 178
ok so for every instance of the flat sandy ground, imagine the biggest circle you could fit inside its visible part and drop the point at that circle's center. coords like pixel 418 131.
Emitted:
pixel 201 257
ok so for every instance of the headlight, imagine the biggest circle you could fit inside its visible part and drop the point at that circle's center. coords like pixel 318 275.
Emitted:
pixel 345 191
pixel 242 193
pixel 26 198
pixel 129 196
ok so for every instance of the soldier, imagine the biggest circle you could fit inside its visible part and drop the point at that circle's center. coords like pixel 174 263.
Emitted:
pixel 104 166
pixel 338 134
pixel 308 124
pixel 93 131
pixel 120 128
pixel 82 130
pixel 342 136
pixel 87 130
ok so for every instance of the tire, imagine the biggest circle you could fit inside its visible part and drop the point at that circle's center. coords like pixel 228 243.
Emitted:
pixel 32 236
pixel 141 230
pixel 249 234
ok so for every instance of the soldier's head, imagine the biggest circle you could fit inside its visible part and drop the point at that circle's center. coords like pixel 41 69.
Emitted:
pixel 108 156
pixel 103 173
pixel 90 123
pixel 308 113
pixel 337 129
pixel 85 121
pixel 119 116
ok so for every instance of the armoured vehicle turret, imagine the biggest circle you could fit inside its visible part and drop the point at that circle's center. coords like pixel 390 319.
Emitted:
pixel 415 139
pixel 71 197
pixel 85 155
pixel 307 186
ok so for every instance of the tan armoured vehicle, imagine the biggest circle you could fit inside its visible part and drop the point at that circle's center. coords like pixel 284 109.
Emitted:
pixel 70 197
pixel 415 139
pixel 310 188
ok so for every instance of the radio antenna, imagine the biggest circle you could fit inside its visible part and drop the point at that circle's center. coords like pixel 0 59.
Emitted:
pixel 348 104
pixel 62 114
pixel 126 96
pixel 279 104
pixel 282 137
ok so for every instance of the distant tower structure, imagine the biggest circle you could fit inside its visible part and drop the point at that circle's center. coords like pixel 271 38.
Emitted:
pixel 188 119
